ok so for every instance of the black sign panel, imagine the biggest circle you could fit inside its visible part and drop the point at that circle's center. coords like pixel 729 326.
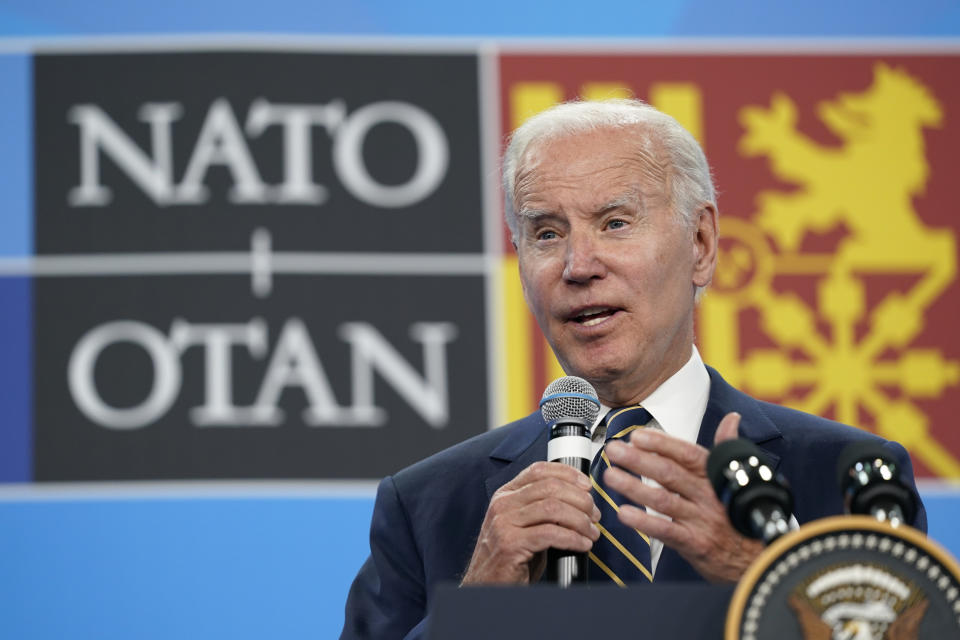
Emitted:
pixel 192 151
pixel 369 374
pixel 256 264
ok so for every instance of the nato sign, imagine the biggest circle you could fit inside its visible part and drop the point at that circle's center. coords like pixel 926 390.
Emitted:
pixel 256 264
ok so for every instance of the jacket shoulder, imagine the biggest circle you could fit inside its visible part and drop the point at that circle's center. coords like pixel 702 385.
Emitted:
pixel 474 457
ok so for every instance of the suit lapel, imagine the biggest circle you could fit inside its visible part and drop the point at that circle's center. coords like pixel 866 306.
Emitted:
pixel 754 423
pixel 525 444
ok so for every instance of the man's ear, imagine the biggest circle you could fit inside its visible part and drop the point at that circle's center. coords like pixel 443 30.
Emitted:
pixel 706 237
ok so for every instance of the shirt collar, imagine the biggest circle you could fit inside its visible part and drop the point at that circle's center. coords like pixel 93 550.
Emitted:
pixel 679 403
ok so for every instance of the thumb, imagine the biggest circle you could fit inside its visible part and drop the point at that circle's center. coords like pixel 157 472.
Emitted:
pixel 728 429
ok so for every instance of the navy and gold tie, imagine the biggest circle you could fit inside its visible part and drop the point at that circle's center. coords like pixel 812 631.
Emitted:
pixel 621 553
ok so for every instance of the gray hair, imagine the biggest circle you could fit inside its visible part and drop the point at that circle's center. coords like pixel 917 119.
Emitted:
pixel 688 172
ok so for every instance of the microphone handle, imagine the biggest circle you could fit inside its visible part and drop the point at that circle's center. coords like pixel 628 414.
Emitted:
pixel 569 444
pixel 565 568
pixel 582 464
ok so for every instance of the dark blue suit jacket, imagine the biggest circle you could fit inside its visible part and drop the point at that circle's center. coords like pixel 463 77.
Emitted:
pixel 427 517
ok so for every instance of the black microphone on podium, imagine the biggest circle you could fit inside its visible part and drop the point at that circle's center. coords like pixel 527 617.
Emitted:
pixel 569 406
pixel 870 482
pixel 758 501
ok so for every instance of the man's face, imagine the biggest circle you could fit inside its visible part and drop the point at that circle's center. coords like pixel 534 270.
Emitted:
pixel 607 268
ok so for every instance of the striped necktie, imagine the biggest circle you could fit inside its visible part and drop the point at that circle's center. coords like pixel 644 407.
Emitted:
pixel 622 553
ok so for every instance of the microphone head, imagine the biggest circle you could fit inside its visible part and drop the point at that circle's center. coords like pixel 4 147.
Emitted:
pixel 745 482
pixel 869 479
pixel 569 397
pixel 723 454
pixel 857 451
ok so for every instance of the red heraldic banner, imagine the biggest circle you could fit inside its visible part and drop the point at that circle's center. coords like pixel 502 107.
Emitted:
pixel 837 289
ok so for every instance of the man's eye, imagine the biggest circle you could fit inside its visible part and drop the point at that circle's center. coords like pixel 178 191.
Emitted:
pixel 546 235
pixel 616 224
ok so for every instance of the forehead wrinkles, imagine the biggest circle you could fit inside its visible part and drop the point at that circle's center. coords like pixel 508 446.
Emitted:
pixel 637 164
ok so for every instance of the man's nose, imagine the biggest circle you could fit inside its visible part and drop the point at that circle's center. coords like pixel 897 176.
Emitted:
pixel 583 261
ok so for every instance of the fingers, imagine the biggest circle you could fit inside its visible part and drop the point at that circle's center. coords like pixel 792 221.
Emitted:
pixel 542 470
pixel 708 542
pixel 547 505
pixel 696 524
pixel 654 526
pixel 673 463
pixel 559 537
pixel 548 492
pixel 666 502
pixel 688 455
pixel 677 465
pixel 728 429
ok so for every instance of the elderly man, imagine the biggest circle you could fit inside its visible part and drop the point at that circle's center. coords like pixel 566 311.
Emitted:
pixel 613 216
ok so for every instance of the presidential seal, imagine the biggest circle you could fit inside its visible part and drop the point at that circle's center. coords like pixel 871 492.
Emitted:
pixel 848 578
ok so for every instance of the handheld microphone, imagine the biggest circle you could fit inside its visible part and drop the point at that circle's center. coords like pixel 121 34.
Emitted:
pixel 569 406
pixel 870 482
pixel 758 501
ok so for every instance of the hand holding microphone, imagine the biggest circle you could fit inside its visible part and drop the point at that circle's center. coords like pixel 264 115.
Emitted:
pixel 545 506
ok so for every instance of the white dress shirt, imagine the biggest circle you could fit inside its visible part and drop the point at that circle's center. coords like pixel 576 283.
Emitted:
pixel 677 407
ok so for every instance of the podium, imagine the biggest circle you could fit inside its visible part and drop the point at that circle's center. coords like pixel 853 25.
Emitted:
pixel 669 611
pixel 844 573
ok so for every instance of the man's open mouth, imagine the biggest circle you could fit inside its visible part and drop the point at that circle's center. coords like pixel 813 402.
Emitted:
pixel 594 315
